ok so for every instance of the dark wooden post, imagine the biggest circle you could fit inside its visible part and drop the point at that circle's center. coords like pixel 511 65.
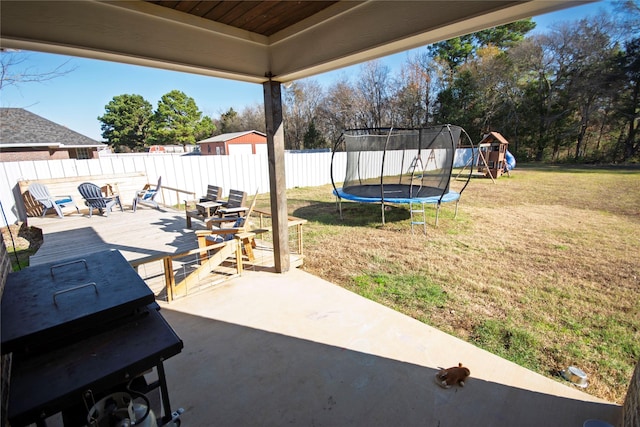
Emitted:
pixel 277 182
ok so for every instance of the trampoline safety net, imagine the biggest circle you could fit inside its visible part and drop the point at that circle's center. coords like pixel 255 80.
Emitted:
pixel 387 164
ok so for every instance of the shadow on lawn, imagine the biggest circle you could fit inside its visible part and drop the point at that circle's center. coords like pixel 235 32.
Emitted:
pixel 353 214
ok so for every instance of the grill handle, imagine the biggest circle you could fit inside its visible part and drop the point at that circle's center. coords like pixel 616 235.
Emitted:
pixel 86 266
pixel 74 288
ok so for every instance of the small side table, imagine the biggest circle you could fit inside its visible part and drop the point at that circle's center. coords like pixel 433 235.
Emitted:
pixel 207 209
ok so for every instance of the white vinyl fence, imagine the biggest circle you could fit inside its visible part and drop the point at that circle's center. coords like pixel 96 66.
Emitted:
pixel 248 172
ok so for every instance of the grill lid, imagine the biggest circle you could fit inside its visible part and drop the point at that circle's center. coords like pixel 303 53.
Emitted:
pixel 45 304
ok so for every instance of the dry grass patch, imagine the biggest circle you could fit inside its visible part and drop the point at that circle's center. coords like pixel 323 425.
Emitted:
pixel 540 268
pixel 21 242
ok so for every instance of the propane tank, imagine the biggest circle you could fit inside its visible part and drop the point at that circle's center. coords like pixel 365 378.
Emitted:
pixel 119 410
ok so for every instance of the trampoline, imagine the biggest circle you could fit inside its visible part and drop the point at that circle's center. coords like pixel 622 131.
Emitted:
pixel 398 166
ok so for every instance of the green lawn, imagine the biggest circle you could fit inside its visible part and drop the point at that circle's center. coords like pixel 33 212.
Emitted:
pixel 540 268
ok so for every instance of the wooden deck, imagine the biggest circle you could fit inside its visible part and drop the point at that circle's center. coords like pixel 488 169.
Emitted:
pixel 145 233
pixel 140 236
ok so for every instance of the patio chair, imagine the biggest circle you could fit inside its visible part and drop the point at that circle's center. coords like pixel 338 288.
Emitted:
pixel 41 193
pixel 214 193
pixel 234 206
pixel 94 199
pixel 218 232
pixel 147 195
pixel 205 207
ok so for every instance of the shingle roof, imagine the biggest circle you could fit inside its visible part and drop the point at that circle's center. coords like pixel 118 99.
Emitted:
pixel 22 128
pixel 228 136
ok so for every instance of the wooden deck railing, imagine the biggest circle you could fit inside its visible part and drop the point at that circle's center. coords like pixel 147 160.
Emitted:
pixel 218 253
pixel 174 289
pixel 295 227
pixel 178 192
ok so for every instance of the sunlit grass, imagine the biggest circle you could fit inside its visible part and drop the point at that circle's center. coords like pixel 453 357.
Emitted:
pixel 540 268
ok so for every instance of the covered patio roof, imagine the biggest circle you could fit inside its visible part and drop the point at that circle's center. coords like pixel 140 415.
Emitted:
pixel 267 42
pixel 250 41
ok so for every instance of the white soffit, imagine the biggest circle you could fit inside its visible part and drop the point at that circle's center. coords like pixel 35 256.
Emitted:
pixel 377 28
pixel 346 33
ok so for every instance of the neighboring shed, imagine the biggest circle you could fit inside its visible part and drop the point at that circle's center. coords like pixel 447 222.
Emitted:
pixel 27 136
pixel 248 142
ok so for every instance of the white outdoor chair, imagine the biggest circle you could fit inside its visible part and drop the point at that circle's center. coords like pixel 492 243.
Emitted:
pixel 147 195
pixel 41 193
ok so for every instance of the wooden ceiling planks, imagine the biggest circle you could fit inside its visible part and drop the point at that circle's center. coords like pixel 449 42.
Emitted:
pixel 261 17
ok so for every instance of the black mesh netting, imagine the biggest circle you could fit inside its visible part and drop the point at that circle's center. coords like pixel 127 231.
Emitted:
pixel 399 163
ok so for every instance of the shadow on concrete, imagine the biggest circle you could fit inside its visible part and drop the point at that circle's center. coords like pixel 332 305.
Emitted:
pixel 233 375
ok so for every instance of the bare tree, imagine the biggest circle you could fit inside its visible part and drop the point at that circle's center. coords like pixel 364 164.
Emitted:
pixel 15 72
pixel 373 94
pixel 301 102
pixel 338 110
pixel 414 92
pixel 252 118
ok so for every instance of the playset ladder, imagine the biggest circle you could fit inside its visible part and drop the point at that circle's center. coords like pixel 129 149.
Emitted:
pixel 416 163
pixel 432 157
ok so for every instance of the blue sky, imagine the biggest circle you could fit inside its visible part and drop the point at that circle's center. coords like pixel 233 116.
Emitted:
pixel 77 99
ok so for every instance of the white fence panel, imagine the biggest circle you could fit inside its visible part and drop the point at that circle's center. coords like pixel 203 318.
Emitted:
pixel 82 168
pixel 30 169
pixel 11 174
pixel 247 172
pixel 292 167
pixel 96 167
pixel 69 168
pixel 203 173
pixel 56 169
pixel 339 166
pixel 262 172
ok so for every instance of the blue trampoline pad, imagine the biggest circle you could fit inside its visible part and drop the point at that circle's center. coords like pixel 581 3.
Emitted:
pixel 450 196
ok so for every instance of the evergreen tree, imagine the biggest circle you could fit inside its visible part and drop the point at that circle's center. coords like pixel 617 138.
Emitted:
pixel 230 122
pixel 313 138
pixel 177 120
pixel 126 122
pixel 459 50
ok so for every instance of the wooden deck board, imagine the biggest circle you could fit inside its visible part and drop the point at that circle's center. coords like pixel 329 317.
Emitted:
pixel 147 232
pixel 143 234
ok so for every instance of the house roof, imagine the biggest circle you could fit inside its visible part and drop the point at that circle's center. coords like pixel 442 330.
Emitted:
pixel 22 128
pixel 229 136
pixel 252 41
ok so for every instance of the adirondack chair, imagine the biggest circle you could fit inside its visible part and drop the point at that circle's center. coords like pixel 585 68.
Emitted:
pixel 147 195
pixel 218 244
pixel 200 209
pixel 94 198
pixel 234 206
pixel 41 193
pixel 214 193
pixel 218 231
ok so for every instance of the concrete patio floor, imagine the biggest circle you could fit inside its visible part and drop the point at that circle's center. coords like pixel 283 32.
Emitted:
pixel 268 349
pixel 271 349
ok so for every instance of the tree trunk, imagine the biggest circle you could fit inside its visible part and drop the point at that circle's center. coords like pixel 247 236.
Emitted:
pixel 632 143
